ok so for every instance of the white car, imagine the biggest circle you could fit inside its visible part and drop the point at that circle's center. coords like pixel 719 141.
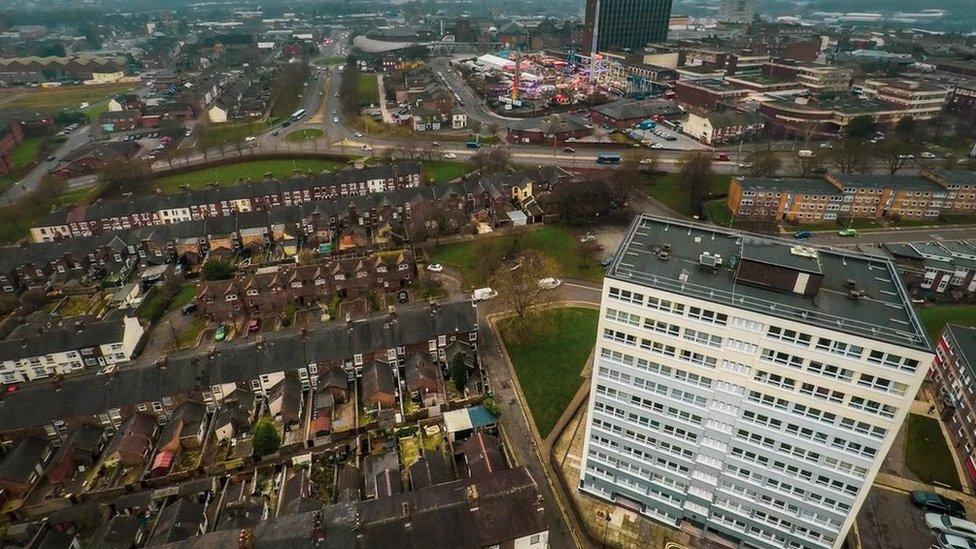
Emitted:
pixel 826 145
pixel 744 165
pixel 588 238
pixel 483 294
pixel 367 148
pixel 250 139
pixel 335 120
pixel 435 267
pixel 549 283
pixel 952 541
pixel 927 154
pixel 950 525
pixel 188 132
pixel 450 156
pixel 657 146
pixel 359 135
pixel 646 161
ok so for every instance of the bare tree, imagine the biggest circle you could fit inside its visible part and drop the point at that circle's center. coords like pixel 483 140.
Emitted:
pixel 849 156
pixel 895 154
pixel 518 287
pixel 696 171
pixel 490 160
pixel 764 163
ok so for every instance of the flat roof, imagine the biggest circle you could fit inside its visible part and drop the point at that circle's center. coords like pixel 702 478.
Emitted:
pixel 884 314
pixel 898 182
pixel 794 185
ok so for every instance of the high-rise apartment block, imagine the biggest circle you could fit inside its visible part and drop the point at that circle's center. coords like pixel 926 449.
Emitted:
pixel 747 386
pixel 626 24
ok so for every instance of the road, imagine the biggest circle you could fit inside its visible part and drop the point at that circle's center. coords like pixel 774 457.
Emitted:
pixel 892 235
pixel 26 184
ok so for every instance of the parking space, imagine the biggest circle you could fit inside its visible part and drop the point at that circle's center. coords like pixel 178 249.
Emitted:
pixel 662 137
pixel 888 520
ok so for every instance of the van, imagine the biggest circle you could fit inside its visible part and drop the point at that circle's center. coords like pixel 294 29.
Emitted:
pixel 805 153
pixel 483 294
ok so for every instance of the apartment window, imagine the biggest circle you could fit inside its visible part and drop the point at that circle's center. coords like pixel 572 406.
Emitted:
pixel 789 336
pixel 742 346
pixel 698 359
pixel 873 407
pixel 661 327
pixel 619 337
pixel 779 357
pixel 746 324
pixel 882 384
pixel 775 380
pixel 627 296
pixel 623 317
pixel 735 367
pixel 830 371
pixel 824 393
pixel 658 347
pixel 665 305
pixel 893 361
pixel 840 348
pixel 706 315
pixel 702 338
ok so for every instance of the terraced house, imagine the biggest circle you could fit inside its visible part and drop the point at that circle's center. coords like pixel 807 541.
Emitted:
pixel 747 387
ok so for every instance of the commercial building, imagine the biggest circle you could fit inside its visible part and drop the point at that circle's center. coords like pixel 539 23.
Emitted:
pixel 626 24
pixel 708 94
pixel 952 381
pixel 806 116
pixel 920 100
pixel 818 78
pixel 747 386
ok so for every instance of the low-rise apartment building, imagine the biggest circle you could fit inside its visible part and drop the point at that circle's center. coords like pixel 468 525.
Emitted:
pixel 919 100
pixel 932 194
pixel 952 377
pixel 69 348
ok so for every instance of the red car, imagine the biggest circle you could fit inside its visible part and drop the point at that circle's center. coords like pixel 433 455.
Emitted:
pixel 253 325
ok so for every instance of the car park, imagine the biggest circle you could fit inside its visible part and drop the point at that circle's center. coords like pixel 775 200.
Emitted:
pixel 950 524
pixel 931 501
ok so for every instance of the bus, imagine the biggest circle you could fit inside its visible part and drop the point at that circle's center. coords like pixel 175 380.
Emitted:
pixel 608 158
pixel 298 115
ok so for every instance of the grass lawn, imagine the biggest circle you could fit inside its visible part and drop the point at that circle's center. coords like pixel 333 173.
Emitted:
pixel 926 453
pixel 67 97
pixel 309 134
pixel 231 132
pixel 368 90
pixel 559 244
pixel 26 152
pixel 718 213
pixel 443 171
pixel 935 317
pixel 671 191
pixel 182 297
pixel 548 367
pixel 232 173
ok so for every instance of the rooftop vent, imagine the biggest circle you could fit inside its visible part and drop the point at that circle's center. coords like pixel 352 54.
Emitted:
pixel 666 247
pixel 664 255
pixel 709 262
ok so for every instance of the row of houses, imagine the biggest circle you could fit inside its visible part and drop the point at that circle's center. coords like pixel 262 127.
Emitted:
pixel 942 268
pixel 221 201
pixel 929 195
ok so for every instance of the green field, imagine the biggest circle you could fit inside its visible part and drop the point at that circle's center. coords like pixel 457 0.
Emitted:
pixel 444 171
pixel 26 152
pixel 559 244
pixel 718 213
pixel 231 132
pixel 367 90
pixel 548 367
pixel 671 191
pixel 309 134
pixel 68 97
pixel 230 174
pixel 935 317
pixel 926 453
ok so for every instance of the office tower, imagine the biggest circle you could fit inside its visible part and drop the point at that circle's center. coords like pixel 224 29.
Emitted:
pixel 624 24
pixel 737 11
pixel 745 385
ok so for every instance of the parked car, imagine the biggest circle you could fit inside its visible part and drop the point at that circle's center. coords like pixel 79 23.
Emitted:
pixel 188 132
pixel 358 135
pixel 588 237
pixel 286 124
pixel 847 232
pixel 51 158
pixel 253 325
pixel 335 119
pixel 927 154
pixel 802 234
pixel 435 267
pixel 549 283
pixel 188 309
pixel 646 161
pixel 745 165
pixel 657 145
pixel 952 541
pixel 569 150
pixel 367 148
pixel 950 524
pixel 607 262
pixel 931 501
pixel 483 294
pixel 221 333
pixel 450 156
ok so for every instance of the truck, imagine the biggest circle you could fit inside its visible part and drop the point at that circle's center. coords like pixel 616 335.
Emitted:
pixel 483 294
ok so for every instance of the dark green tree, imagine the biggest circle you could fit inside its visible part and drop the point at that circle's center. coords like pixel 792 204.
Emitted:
pixel 906 128
pixel 266 437
pixel 861 127
pixel 459 372
pixel 217 269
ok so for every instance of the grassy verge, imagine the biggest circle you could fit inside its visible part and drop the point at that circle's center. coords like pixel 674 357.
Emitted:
pixel 309 134
pixel 368 90
pixel 926 453
pixel 444 171
pixel 231 132
pixel 26 152
pixel 69 97
pixel 718 213
pixel 674 193
pixel 935 317
pixel 549 367
pixel 230 174
pixel 559 244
